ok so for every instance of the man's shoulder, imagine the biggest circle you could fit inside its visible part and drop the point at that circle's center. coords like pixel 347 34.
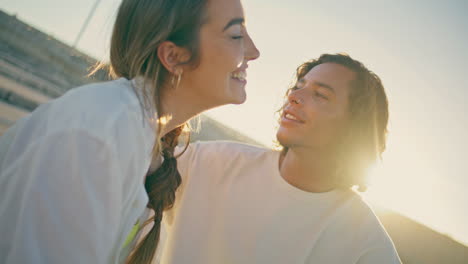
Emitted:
pixel 226 152
pixel 228 149
pixel 369 233
pixel 359 218
pixel 228 145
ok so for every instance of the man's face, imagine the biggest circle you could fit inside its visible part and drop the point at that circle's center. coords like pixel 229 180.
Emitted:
pixel 315 114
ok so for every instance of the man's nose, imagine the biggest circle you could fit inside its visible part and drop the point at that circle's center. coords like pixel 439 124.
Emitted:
pixel 294 98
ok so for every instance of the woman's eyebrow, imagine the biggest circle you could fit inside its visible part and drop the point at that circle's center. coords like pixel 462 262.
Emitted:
pixel 234 21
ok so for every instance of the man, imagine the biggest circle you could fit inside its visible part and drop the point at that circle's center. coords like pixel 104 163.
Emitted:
pixel 243 204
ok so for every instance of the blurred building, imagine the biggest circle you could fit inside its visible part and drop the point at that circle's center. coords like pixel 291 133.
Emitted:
pixel 35 68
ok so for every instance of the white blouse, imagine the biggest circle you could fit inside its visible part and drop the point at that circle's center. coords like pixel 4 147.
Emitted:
pixel 72 177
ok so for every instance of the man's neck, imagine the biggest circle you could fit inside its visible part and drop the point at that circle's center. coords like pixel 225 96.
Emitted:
pixel 308 170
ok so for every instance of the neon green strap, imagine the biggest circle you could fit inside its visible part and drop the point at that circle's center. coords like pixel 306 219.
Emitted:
pixel 132 234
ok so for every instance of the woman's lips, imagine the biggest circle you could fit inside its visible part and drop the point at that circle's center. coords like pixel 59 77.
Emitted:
pixel 240 76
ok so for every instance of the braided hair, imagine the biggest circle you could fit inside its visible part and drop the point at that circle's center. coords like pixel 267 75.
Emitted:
pixel 161 186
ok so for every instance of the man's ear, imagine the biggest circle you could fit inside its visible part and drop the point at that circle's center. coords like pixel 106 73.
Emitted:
pixel 172 56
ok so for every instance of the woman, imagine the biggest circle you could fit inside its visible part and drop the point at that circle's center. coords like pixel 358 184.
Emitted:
pixel 72 173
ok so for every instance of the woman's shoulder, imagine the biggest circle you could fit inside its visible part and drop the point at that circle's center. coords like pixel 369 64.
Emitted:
pixel 102 97
pixel 108 111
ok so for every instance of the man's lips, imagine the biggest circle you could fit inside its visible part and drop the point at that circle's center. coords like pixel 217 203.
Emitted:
pixel 291 115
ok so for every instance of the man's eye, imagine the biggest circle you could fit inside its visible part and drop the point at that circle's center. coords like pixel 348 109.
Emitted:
pixel 321 95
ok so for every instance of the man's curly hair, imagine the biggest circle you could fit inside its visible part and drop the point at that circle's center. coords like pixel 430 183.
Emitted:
pixel 365 138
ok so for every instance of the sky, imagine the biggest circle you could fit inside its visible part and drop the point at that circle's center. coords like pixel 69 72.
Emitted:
pixel 417 47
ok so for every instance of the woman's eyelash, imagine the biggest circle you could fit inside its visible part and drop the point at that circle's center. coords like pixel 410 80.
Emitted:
pixel 237 37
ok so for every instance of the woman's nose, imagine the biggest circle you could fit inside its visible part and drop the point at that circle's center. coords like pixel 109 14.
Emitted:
pixel 251 51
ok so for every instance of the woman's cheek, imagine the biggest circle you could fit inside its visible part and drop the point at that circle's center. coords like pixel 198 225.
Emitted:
pixel 235 51
pixel 240 55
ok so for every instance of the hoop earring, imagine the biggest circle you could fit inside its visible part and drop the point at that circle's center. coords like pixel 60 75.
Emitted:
pixel 179 78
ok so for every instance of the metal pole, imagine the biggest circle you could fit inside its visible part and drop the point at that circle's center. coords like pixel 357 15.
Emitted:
pixel 85 25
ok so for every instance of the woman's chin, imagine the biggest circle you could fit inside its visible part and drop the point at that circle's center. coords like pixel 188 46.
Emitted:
pixel 238 97
pixel 240 100
pixel 238 93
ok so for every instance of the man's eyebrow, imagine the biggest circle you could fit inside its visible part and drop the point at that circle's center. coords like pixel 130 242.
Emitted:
pixel 324 85
pixel 301 82
pixel 234 21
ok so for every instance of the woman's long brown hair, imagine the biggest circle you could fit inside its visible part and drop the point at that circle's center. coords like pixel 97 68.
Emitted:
pixel 140 27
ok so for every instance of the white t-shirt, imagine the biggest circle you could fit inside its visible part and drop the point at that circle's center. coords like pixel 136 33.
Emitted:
pixel 72 177
pixel 234 207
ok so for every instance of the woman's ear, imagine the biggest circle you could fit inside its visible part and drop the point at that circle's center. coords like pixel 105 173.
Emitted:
pixel 172 56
